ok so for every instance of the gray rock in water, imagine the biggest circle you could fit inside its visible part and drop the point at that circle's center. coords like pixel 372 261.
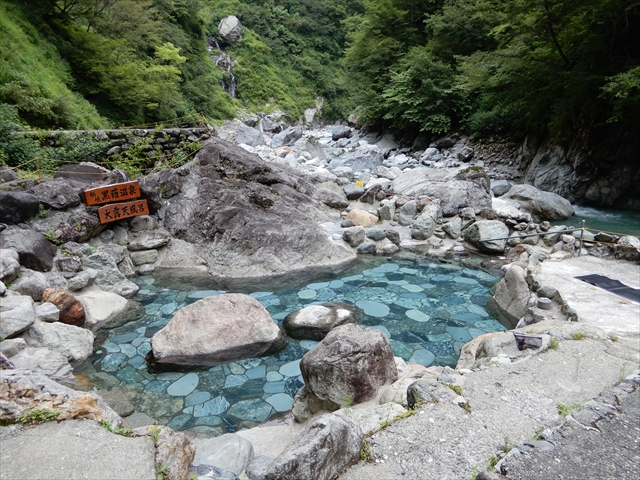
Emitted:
pixel 74 343
pixel 351 362
pixel 30 283
pixel 316 321
pixel 287 137
pixel 9 265
pixel 18 314
pixel 321 449
pixel 77 446
pixel 230 30
pixel 216 330
pixel 486 230
pixel 354 236
pixel 511 299
pixel 228 452
pixel 17 207
pixel 34 250
pixel 49 363
pixel 424 226
pixel 118 401
pixel 540 204
pixel 56 193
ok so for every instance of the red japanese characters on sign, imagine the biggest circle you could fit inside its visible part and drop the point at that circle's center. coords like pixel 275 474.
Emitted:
pixel 119 211
pixel 112 193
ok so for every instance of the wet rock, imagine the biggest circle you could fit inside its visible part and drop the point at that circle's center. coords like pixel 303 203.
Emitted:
pixel 17 207
pixel 71 309
pixel 74 343
pixel 56 193
pixel 321 449
pixel 216 330
pixel 49 363
pixel 18 314
pixel 350 362
pixel 9 265
pixel 34 250
pixel 118 401
pixel 485 230
pixel 540 204
pixel 316 321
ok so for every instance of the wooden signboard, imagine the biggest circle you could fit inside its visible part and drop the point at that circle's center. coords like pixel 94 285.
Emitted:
pixel 119 211
pixel 112 193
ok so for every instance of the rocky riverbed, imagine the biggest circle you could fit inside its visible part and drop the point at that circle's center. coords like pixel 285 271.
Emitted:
pixel 279 202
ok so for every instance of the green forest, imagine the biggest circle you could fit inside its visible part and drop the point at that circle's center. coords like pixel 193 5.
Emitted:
pixel 565 69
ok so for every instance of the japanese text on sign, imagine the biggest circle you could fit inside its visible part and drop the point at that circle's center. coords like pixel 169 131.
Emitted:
pixel 112 193
pixel 119 211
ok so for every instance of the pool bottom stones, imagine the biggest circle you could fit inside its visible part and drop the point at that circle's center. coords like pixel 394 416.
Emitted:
pixel 428 311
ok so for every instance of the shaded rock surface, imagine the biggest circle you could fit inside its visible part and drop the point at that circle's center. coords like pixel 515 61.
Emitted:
pixel 34 250
pixel 319 451
pixel 216 330
pixel 17 207
pixel 56 193
pixel 315 321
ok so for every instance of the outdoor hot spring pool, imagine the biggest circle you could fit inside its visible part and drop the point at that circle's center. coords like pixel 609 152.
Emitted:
pixel 428 311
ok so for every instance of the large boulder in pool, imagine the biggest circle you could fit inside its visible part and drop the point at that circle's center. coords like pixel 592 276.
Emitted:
pixel 347 367
pixel 247 218
pixel 540 204
pixel 216 330
pixel 315 321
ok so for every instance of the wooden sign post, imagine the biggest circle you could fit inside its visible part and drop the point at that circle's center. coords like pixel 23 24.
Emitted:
pixel 116 193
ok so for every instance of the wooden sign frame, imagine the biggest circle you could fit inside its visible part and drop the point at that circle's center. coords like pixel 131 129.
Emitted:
pixel 119 211
pixel 112 193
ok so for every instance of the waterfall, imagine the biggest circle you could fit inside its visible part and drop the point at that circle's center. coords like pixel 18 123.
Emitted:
pixel 223 61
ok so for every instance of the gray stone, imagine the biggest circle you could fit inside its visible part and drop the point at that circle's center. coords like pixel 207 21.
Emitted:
pixel 286 137
pixel 424 226
pixel 49 363
pixel 142 222
pixel 331 198
pixel 34 250
pixel 230 29
pixel 429 391
pixel 453 228
pixel 407 212
pixel 108 310
pixel 77 449
pixel 118 401
pixel 332 374
pixel 485 230
pixel 315 321
pixel 69 264
pixel 366 249
pixel 249 136
pixel 216 330
pixel 393 236
pixel 74 343
pixel 352 191
pixel 547 292
pixel 9 265
pixel 228 452
pixel 56 280
pixel 56 193
pixel 360 159
pixel 354 236
pixel 500 187
pixel 12 346
pixel 511 299
pixel 47 312
pixel 321 450
pixel 18 314
pixel 109 278
pixel 341 131
pixel 540 204
pixel 79 281
pixel 375 234
pixel 387 209
pixel 258 467
pixel 81 175
pixel 30 283
pixel 17 207
pixel 147 240
pixel 144 257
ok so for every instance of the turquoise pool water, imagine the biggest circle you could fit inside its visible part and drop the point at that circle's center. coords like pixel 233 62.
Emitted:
pixel 624 222
pixel 428 311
